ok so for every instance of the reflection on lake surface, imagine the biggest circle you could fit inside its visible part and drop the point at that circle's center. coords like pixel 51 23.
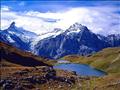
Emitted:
pixel 63 61
pixel 80 69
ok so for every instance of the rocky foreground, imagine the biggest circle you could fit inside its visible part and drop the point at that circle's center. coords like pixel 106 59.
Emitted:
pixel 47 78
pixel 36 78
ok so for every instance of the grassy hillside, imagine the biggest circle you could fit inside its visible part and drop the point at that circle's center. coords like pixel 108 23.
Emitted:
pixel 11 56
pixel 107 60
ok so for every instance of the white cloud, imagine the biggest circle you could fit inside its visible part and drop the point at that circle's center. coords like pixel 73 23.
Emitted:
pixel 5 8
pixel 29 23
pixel 99 20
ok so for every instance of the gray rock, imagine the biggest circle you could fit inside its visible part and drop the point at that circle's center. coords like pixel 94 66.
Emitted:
pixel 19 87
pixel 7 86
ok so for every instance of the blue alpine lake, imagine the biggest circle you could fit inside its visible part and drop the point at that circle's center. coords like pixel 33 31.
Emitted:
pixel 80 69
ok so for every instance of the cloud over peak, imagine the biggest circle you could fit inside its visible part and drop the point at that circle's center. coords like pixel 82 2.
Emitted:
pixel 103 20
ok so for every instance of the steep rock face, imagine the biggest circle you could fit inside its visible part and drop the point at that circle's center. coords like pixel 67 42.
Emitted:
pixel 75 40
pixel 114 40
pixel 17 37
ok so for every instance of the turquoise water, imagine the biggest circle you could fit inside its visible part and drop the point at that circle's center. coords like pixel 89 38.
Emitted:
pixel 80 69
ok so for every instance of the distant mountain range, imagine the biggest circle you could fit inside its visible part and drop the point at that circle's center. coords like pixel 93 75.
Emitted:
pixel 77 39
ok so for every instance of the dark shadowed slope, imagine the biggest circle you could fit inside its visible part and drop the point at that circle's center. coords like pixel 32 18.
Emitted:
pixel 10 55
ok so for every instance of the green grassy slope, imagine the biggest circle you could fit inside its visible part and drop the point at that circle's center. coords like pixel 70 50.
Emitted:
pixel 107 60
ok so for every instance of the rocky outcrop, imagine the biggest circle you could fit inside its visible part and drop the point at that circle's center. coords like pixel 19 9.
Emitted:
pixel 26 79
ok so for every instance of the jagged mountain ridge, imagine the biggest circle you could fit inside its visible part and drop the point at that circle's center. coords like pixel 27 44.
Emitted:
pixel 77 39
pixel 17 37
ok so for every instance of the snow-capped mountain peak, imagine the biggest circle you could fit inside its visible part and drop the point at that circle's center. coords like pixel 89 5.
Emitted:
pixel 51 34
pixel 17 36
pixel 12 25
pixel 76 28
pixel 77 39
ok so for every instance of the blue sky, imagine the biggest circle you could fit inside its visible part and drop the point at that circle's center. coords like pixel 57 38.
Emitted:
pixel 99 16
pixel 55 5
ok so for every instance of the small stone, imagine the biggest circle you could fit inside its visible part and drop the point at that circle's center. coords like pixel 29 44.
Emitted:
pixel 7 86
pixel 2 82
